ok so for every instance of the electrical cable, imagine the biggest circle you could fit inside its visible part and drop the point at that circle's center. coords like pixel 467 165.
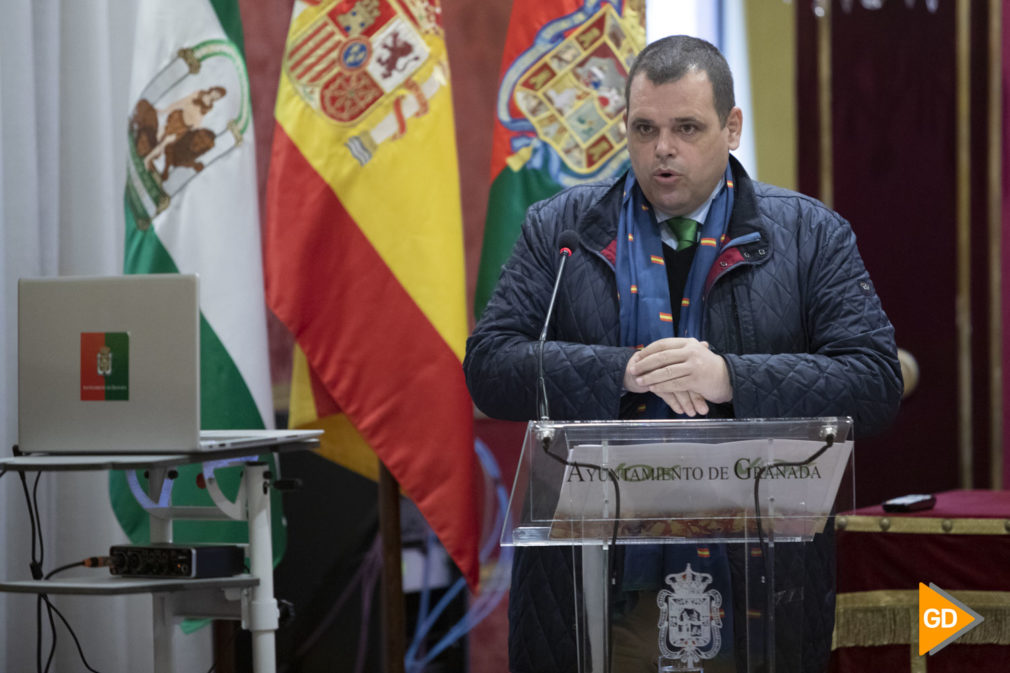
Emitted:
pixel 38 520
pixel 425 621
pixel 424 627
pixel 39 563
pixel 494 587
pixel 37 558
pixel 829 441
pixel 365 573
pixel 62 568
pixel 590 466
pixel 52 628
pixel 38 633
pixel 371 580
pixel 612 560
pixel 90 562
pixel 80 650
pixel 767 554
pixel 34 566
pixel 422 610
pixel 36 570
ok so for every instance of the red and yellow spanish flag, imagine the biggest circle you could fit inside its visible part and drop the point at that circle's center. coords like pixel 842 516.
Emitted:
pixel 364 252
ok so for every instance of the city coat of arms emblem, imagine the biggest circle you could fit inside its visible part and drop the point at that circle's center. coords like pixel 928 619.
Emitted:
pixel 689 621
pixel 565 94
pixel 104 361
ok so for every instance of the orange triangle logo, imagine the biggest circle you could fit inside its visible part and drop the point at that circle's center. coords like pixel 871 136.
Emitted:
pixel 942 619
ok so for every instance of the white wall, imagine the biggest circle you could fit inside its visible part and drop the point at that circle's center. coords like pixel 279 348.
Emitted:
pixel 64 78
pixel 700 18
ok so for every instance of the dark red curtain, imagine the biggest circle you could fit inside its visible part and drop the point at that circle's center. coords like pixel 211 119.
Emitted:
pixel 893 92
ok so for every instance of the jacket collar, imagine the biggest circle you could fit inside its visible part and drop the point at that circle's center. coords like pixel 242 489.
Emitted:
pixel 745 219
pixel 598 227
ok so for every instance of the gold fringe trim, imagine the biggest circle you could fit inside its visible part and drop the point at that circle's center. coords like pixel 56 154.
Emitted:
pixel 891 617
pixel 921 525
pixel 917 662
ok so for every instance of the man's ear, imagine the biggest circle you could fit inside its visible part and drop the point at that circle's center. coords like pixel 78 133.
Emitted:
pixel 734 124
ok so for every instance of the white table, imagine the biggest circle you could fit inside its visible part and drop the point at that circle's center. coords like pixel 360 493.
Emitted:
pixel 247 597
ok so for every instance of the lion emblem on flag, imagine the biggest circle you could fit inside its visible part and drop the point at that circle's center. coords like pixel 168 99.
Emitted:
pixel 351 55
pixel 194 110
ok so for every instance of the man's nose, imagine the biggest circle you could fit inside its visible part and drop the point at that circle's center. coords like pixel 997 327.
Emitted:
pixel 666 144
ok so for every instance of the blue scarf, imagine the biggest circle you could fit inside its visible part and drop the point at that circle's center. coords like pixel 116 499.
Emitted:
pixel 645 316
pixel 641 273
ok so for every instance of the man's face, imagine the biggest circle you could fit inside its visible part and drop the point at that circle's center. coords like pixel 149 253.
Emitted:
pixel 677 146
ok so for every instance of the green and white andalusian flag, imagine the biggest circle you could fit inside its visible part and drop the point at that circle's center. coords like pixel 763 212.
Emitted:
pixel 191 208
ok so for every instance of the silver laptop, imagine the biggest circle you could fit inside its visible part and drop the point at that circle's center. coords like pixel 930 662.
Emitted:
pixel 112 365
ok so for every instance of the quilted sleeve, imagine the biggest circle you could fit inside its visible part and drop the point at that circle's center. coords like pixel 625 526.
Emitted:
pixel 850 366
pixel 583 376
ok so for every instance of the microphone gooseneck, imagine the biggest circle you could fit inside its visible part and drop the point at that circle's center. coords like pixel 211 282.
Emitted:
pixel 567 243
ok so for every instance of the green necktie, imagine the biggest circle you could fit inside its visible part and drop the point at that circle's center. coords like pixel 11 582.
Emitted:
pixel 686 230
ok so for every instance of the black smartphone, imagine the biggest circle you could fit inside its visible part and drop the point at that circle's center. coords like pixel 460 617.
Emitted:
pixel 910 503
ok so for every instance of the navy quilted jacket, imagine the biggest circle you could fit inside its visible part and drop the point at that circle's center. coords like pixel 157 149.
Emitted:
pixel 792 311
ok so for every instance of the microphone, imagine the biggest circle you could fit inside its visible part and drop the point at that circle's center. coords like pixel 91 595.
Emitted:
pixel 567 242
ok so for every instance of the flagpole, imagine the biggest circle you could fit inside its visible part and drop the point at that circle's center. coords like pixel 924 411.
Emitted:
pixel 394 630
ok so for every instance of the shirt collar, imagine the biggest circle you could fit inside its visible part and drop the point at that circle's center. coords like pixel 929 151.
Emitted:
pixel 698 215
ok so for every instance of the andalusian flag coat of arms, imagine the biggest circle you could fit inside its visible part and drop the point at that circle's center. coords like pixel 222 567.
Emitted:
pixel 559 115
pixel 364 252
pixel 191 207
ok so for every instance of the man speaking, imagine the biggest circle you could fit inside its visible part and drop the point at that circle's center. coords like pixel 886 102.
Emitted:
pixel 693 290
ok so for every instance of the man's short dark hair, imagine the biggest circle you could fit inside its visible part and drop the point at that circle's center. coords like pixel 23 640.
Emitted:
pixel 669 59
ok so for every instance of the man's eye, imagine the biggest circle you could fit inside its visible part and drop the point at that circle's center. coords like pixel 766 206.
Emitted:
pixel 689 129
pixel 643 129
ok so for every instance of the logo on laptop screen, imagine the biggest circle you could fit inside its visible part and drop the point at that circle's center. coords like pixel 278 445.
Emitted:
pixel 105 366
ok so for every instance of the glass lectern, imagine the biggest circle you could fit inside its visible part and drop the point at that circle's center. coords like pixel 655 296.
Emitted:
pixel 692 540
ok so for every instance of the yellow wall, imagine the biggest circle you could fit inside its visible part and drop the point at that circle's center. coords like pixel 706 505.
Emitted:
pixel 771 45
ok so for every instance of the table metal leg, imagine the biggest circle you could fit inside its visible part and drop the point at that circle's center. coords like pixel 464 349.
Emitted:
pixel 164 630
pixel 260 615
pixel 161 603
